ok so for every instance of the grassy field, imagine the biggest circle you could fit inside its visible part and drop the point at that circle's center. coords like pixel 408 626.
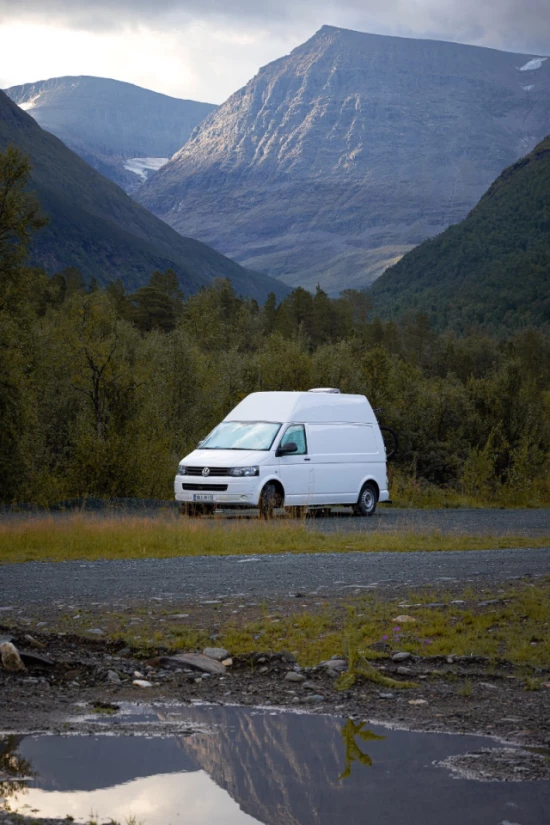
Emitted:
pixel 89 538
pixel 510 623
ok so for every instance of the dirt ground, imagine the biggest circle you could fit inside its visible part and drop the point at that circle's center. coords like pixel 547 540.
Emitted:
pixel 463 694
pixel 75 683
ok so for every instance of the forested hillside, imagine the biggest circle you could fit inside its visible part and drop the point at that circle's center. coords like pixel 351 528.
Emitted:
pixel 95 226
pixel 104 390
pixel 490 270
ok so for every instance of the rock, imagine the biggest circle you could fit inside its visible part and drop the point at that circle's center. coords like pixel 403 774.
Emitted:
pixel 142 683
pixel 489 602
pixel 405 671
pixel 34 642
pixel 404 619
pixel 11 660
pixel 309 685
pixel 288 657
pixel 179 616
pixel 4 639
pixel 35 659
pixel 418 702
pixel 196 661
pixel 264 669
pixel 338 665
pixel 228 662
pixel 488 685
pixel 314 699
pixel 113 677
pixel 95 631
pixel 386 695
pixel 458 601
pixel 217 653
pixel 124 652
pixel 292 676
pixel 436 604
pixel 401 657
pixel 138 674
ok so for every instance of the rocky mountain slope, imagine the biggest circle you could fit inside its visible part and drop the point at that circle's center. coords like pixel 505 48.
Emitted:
pixel 493 268
pixel 98 228
pixel 336 159
pixel 120 129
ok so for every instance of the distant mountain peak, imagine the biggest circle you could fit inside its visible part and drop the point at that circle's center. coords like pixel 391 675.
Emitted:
pixel 335 160
pixel 111 123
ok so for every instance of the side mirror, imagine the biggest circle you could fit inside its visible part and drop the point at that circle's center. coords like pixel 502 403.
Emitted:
pixel 285 449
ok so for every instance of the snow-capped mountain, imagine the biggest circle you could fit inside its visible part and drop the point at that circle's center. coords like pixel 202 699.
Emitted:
pixel 120 129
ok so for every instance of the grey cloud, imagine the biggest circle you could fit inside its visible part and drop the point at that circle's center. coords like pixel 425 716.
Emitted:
pixel 522 25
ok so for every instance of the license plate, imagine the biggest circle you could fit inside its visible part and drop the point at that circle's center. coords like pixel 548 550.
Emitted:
pixel 199 497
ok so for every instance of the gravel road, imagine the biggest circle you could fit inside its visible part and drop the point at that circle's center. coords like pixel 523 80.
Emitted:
pixel 256 577
pixel 466 521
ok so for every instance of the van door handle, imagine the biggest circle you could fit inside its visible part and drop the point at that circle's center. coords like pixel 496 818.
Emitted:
pixel 307 459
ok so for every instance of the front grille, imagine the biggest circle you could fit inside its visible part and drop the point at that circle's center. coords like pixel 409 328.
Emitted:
pixel 214 471
pixel 207 488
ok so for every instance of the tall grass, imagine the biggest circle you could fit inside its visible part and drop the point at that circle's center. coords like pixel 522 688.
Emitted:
pixel 90 537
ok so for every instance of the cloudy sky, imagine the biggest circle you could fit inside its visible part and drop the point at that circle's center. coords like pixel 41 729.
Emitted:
pixel 206 49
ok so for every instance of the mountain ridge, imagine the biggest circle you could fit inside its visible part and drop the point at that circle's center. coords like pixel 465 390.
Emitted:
pixel 351 144
pixel 109 122
pixel 493 268
pixel 98 228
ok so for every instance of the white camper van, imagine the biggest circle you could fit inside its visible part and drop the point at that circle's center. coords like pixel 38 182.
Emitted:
pixel 293 449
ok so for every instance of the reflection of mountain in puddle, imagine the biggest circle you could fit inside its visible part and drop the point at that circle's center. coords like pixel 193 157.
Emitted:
pixel 283 768
pixel 252 766
pixel 191 798
pixel 298 769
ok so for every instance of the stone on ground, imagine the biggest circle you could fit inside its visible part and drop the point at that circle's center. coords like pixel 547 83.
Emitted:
pixel 11 660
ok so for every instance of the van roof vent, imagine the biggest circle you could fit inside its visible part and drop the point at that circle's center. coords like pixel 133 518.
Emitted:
pixel 325 389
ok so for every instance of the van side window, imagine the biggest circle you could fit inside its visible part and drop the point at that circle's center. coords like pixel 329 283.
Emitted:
pixel 296 433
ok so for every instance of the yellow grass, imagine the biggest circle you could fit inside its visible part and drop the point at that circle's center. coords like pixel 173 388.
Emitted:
pixel 88 537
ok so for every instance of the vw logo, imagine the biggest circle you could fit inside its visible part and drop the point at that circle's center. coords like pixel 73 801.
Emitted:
pixel 206 471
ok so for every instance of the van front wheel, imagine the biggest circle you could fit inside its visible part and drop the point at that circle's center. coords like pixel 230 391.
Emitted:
pixel 368 499
pixel 269 500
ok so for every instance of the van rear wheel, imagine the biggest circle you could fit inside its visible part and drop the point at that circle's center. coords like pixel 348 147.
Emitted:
pixel 368 499
pixel 269 500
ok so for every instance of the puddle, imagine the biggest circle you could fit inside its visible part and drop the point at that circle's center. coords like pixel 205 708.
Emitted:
pixel 246 766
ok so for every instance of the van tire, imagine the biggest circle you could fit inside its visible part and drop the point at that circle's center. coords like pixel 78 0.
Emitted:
pixel 270 498
pixel 368 499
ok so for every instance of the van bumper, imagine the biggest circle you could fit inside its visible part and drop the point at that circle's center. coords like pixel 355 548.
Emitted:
pixel 384 495
pixel 243 492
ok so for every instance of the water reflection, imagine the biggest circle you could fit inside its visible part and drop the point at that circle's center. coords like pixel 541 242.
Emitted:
pixel 250 766
pixel 353 752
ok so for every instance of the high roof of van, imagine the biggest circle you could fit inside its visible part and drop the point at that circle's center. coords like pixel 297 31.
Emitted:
pixel 317 407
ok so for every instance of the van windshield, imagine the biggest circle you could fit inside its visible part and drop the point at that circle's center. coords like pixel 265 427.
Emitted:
pixel 242 435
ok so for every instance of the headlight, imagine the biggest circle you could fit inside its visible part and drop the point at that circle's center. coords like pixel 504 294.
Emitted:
pixel 182 469
pixel 244 471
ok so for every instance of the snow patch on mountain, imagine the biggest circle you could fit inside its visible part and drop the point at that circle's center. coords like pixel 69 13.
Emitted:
pixel 527 88
pixel 28 104
pixel 142 166
pixel 533 64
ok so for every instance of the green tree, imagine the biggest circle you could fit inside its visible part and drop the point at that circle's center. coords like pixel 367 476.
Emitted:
pixel 20 288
